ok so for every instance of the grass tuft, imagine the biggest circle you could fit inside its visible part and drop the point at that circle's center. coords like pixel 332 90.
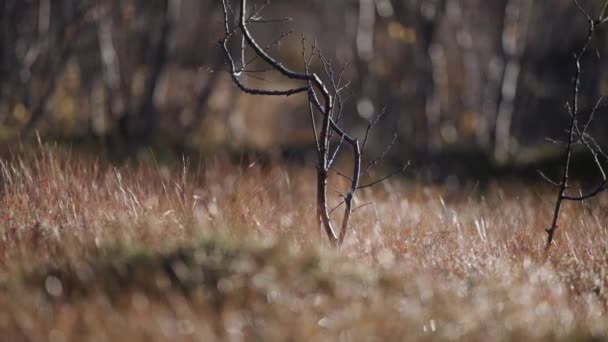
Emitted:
pixel 91 250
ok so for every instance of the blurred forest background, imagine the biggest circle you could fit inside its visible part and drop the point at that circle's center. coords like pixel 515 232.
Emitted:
pixel 486 77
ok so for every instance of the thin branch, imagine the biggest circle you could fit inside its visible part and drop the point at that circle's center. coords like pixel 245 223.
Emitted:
pixel 390 175
pixel 336 207
pixel 588 195
pixel 311 109
pixel 335 154
pixel 583 11
pixel 382 154
pixel 268 21
pixel 603 13
pixel 372 124
pixel 235 74
pixel 341 174
pixel 362 206
pixel 269 46
pixel 574 131
pixel 314 86
pixel 549 180
pixel 592 114
pixel 554 141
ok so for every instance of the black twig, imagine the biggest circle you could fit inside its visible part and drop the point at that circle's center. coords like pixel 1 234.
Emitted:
pixel 362 206
pixel 390 175
pixel 382 154
pixel 314 87
pixel 576 135
pixel 546 178
pixel 372 124
pixel 324 98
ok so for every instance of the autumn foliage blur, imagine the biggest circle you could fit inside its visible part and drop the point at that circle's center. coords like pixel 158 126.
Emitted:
pixel 487 76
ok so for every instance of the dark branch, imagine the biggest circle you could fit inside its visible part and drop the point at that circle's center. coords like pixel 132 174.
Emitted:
pixel 575 134
pixel 390 175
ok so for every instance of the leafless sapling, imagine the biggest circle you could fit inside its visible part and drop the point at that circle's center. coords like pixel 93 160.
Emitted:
pixel 578 131
pixel 324 98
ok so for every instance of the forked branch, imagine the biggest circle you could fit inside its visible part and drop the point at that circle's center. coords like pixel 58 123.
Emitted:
pixel 321 99
pixel 577 135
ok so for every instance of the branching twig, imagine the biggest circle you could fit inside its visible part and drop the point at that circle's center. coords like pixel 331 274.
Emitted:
pixel 314 85
pixel 576 135
pixel 268 47
pixel 324 99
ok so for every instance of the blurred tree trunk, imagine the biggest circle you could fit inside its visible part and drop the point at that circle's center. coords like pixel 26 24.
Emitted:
pixel 139 124
pixel 514 39
pixel 48 54
pixel 435 73
pixel 135 112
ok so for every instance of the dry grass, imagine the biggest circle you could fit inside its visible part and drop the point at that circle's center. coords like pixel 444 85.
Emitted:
pixel 89 251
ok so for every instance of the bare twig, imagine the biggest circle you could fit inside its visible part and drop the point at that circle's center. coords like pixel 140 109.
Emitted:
pixel 269 46
pixel 314 85
pixel 382 154
pixel 390 175
pixel 575 134
pixel 341 174
pixel 324 99
pixel 372 124
pixel 336 150
pixel 549 180
pixel 362 206
pixel 311 109
pixel 336 207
